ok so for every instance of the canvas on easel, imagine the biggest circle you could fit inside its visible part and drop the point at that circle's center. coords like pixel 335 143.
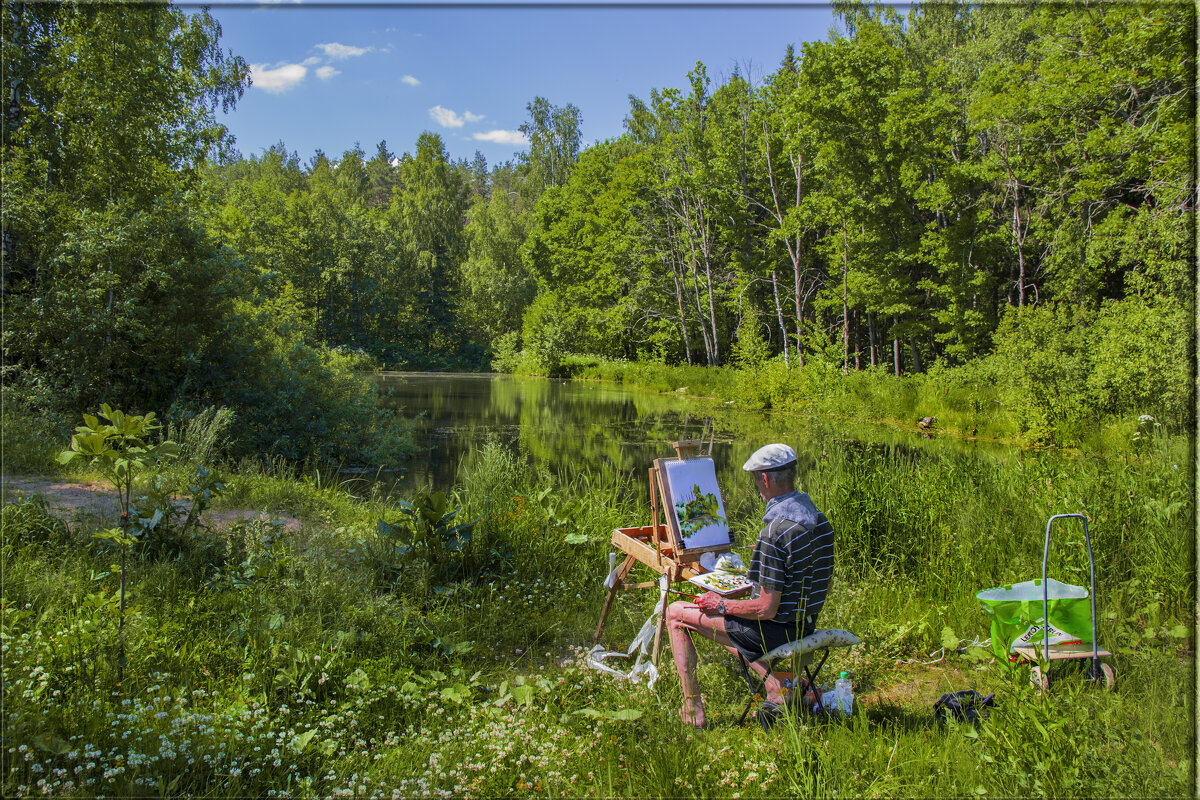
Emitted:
pixel 692 503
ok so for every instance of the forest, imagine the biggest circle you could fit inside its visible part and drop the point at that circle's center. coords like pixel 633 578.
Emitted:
pixel 1002 190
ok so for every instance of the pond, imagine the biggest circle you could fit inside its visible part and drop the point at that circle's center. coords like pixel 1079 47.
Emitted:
pixel 572 427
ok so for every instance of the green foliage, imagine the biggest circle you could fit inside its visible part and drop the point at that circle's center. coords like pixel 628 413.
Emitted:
pixel 300 401
pixel 495 282
pixel 751 349
pixel 30 440
pixel 426 548
pixel 119 448
pixel 111 290
pixel 203 437
pixel 1061 366
pixel 1141 350
pixel 545 334
pixel 1044 358
pixel 506 352
pixel 29 521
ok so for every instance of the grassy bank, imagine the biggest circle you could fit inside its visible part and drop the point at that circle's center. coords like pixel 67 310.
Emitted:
pixel 378 650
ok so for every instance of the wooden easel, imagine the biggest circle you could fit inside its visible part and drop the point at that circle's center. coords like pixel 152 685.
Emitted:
pixel 658 547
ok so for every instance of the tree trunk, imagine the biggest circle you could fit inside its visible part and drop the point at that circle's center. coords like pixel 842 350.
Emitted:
pixel 708 353
pixel 779 314
pixel 799 315
pixel 857 351
pixel 871 335
pixel 845 299
pixel 712 312
pixel 916 355
pixel 895 348
pixel 1017 239
pixel 687 343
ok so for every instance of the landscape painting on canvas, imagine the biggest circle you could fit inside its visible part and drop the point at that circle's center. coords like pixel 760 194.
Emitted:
pixel 694 505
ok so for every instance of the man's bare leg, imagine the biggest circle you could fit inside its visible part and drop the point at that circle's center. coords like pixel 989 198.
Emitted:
pixel 682 618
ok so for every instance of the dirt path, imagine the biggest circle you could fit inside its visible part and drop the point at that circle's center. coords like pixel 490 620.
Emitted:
pixel 75 501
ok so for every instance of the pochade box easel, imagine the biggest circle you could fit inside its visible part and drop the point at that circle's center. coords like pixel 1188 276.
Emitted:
pixel 664 547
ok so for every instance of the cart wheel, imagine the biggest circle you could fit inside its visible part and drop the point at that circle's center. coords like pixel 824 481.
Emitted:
pixel 1039 679
pixel 1108 675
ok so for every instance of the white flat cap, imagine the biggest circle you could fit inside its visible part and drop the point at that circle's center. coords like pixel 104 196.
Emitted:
pixel 772 456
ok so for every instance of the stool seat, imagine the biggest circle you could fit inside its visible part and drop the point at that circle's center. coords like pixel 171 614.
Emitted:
pixel 801 653
pixel 817 640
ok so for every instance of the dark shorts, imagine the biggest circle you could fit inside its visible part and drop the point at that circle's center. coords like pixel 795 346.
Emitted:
pixel 754 637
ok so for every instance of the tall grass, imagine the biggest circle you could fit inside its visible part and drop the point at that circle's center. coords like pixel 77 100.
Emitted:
pixel 29 441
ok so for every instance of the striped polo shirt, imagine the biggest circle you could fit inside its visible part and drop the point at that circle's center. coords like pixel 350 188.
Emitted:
pixel 794 556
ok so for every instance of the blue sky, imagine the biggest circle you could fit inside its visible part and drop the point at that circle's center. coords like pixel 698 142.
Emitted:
pixel 327 76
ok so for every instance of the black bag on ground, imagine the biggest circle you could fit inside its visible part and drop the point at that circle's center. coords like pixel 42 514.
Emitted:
pixel 965 706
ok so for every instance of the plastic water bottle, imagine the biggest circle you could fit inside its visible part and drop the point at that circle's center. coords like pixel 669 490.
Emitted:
pixel 845 693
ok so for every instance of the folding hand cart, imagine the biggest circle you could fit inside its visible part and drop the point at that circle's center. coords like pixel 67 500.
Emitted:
pixel 1041 655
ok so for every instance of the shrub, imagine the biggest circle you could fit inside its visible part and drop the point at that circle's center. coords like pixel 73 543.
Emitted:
pixel 1043 351
pixel 302 402
pixel 545 334
pixel 203 436
pixel 1143 349
pixel 506 352
pixel 356 359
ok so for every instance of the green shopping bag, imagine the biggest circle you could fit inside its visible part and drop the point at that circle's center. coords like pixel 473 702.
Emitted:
pixel 1015 611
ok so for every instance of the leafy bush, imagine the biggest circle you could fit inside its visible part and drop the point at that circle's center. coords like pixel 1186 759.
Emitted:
pixel 1142 350
pixel 750 350
pixel 356 359
pixel 1044 354
pixel 298 401
pixel 545 334
pixel 203 436
pixel 506 352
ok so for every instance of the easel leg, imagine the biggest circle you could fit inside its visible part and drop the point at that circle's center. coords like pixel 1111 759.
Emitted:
pixel 658 631
pixel 622 571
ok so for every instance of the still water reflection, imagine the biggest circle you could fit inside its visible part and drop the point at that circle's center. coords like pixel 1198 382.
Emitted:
pixel 572 427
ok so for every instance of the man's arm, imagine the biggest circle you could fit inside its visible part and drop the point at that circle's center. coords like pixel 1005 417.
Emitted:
pixel 765 606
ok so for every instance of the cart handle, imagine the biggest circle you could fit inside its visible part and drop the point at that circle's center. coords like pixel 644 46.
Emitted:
pixel 1046 591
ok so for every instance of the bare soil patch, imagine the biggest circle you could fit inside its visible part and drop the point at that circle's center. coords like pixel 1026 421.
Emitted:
pixel 77 501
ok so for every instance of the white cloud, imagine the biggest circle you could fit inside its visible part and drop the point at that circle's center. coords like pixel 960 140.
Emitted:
pixel 501 137
pixel 450 119
pixel 410 80
pixel 327 72
pixel 278 79
pixel 340 51
pixel 311 61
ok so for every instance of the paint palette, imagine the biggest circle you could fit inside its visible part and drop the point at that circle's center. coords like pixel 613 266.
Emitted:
pixel 723 583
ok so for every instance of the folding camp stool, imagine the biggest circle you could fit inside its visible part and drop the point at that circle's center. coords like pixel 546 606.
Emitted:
pixel 801 654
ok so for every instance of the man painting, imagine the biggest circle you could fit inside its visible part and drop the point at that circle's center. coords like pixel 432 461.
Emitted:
pixel 792 568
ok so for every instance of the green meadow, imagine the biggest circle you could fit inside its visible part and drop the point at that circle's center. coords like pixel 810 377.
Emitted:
pixel 345 642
